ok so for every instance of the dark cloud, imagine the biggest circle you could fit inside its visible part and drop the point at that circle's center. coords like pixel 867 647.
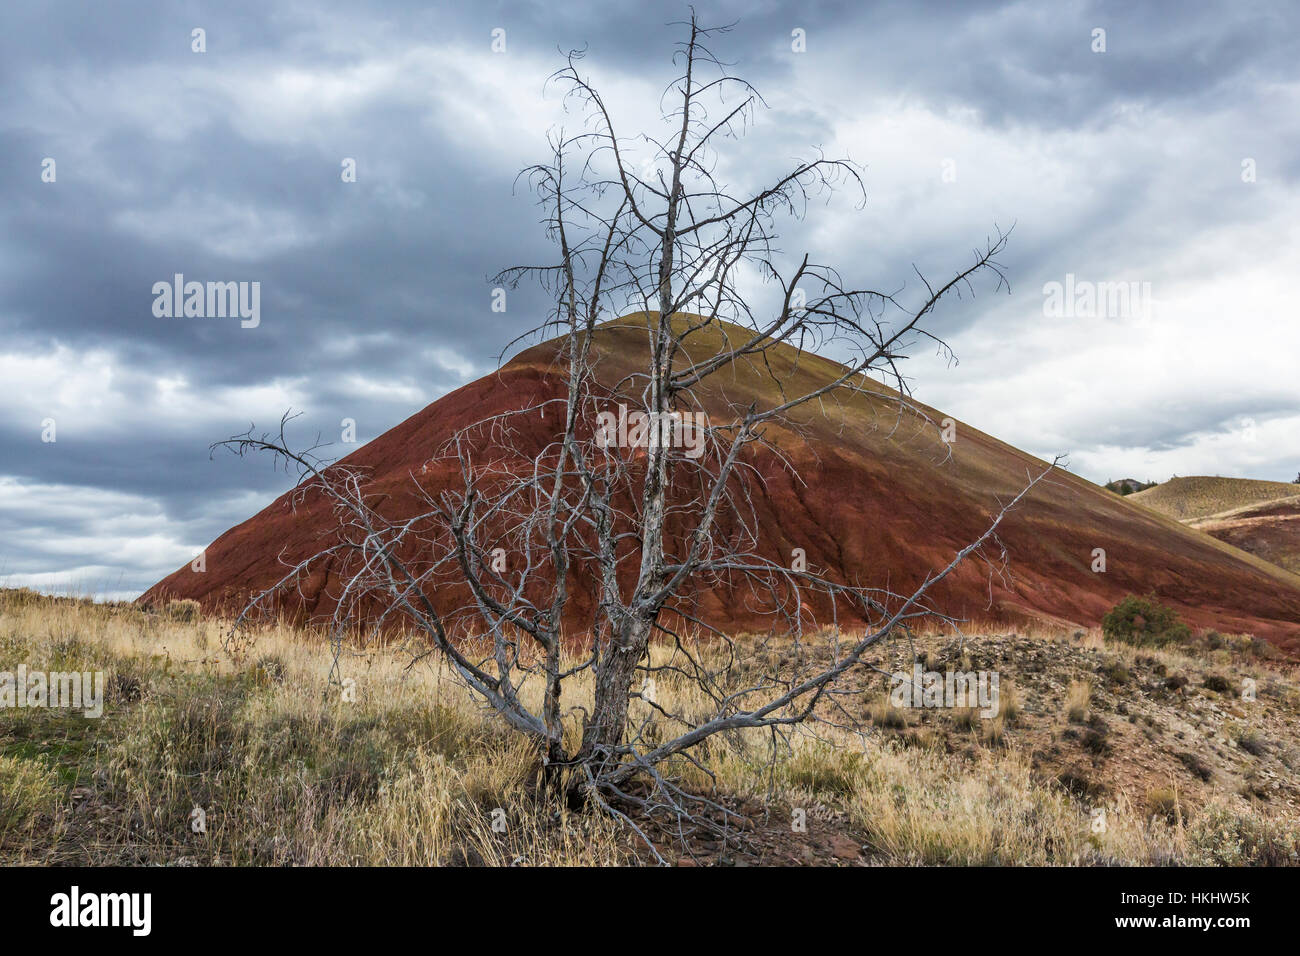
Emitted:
pixel 225 166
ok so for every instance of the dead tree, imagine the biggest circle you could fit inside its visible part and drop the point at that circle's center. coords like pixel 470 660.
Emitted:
pixel 644 224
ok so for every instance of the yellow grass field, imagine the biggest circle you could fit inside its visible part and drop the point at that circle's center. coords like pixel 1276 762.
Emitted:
pixel 281 767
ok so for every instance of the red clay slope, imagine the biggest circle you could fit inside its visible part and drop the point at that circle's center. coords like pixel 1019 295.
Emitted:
pixel 880 505
pixel 1267 529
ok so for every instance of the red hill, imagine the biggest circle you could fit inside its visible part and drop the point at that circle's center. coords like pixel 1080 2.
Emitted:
pixel 881 502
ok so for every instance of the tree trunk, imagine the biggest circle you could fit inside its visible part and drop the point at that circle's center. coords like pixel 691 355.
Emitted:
pixel 615 673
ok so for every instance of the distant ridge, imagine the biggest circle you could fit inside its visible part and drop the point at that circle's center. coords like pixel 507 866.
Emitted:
pixel 1128 486
pixel 1202 496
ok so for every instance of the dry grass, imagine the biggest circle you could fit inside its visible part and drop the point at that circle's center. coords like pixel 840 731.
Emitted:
pixel 885 714
pixel 1076 702
pixel 415 772
pixel 1009 705
pixel 283 768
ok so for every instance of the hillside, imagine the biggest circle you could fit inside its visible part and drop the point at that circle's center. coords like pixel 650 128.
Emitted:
pixel 1128 486
pixel 1267 529
pixel 1201 496
pixel 1187 768
pixel 881 502
pixel 1260 517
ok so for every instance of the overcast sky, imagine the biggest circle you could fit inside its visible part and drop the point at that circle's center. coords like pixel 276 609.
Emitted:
pixel 1170 159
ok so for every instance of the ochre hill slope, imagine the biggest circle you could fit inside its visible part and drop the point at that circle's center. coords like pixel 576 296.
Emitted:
pixel 1261 517
pixel 1199 496
pixel 1269 530
pixel 881 502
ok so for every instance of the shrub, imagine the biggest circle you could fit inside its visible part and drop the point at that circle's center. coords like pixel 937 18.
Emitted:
pixel 28 794
pixel 1248 739
pixel 1248 645
pixel 995 731
pixel 824 770
pixel 886 716
pixel 1076 701
pixel 1115 672
pixel 186 610
pixel 1194 765
pixel 1164 804
pixel 1009 706
pixel 125 684
pixel 1095 743
pixel 1218 684
pixel 1224 837
pixel 1144 622
pixel 269 669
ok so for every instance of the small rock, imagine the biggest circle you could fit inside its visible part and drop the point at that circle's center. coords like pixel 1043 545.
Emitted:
pixel 842 848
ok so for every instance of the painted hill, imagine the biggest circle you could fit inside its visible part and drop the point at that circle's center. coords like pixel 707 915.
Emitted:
pixel 1261 517
pixel 881 502
pixel 1201 496
pixel 1269 529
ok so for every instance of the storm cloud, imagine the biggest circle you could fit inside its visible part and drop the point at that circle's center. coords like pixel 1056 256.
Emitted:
pixel 1169 159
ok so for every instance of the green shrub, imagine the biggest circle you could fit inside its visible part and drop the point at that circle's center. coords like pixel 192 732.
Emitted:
pixel 1144 622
